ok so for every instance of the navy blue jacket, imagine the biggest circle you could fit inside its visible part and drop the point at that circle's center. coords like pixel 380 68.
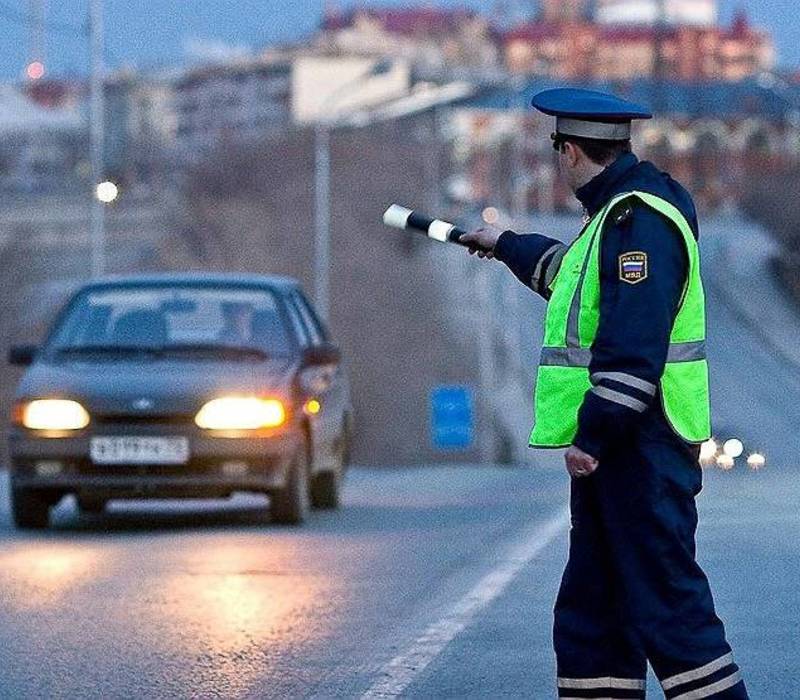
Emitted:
pixel 630 350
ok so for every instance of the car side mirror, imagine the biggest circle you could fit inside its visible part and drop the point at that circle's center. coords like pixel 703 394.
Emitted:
pixel 22 355
pixel 324 354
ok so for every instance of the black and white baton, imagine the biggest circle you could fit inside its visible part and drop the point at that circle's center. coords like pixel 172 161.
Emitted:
pixel 409 220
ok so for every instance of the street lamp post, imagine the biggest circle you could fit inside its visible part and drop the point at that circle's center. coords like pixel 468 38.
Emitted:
pixel 322 210
pixel 322 187
pixel 96 137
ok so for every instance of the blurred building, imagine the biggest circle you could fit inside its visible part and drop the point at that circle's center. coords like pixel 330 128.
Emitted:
pixel 586 39
pixel 559 11
pixel 324 86
pixel 239 101
pixel 698 13
pixel 426 36
pixel 42 149
pixel 55 93
pixel 628 39
pixel 714 137
pixel 141 125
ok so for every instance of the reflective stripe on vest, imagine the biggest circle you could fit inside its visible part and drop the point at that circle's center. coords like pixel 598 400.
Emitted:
pixel 573 316
pixel 581 357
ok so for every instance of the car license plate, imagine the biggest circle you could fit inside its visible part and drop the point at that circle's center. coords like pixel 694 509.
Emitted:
pixel 139 450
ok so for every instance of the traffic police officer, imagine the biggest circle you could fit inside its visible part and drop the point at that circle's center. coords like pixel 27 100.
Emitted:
pixel 623 383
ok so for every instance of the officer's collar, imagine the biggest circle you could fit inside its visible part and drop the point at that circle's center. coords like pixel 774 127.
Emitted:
pixel 595 193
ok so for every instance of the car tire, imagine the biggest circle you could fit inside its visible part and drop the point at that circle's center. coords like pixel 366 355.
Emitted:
pixel 30 509
pixel 91 505
pixel 289 505
pixel 325 490
pixel 347 449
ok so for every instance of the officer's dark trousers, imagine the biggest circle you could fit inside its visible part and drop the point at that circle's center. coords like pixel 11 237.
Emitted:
pixel 632 590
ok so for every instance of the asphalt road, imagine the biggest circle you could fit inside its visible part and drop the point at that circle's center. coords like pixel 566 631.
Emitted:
pixel 430 582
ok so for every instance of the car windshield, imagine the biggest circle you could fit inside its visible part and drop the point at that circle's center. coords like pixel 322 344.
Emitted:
pixel 197 321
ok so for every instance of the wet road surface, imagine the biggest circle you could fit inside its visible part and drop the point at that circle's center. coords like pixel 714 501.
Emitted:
pixel 430 582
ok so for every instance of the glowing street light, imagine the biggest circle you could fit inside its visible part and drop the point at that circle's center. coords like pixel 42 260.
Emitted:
pixel 35 70
pixel 490 215
pixel 107 192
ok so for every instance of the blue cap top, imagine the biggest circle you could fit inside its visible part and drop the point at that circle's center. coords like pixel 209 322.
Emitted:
pixel 589 114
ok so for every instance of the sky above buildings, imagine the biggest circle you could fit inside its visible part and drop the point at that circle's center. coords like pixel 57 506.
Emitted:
pixel 148 33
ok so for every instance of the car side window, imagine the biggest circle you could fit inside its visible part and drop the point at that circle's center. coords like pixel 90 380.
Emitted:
pixel 310 315
pixel 299 327
pixel 312 329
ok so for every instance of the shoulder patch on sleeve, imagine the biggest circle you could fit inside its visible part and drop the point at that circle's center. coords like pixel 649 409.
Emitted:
pixel 633 267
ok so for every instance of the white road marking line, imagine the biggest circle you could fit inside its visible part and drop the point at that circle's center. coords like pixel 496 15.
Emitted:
pixel 401 671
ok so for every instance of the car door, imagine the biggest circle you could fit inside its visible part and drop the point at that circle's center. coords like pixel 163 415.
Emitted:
pixel 329 424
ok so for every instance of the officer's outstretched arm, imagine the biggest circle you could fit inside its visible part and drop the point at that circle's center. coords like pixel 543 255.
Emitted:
pixel 534 259
pixel 643 271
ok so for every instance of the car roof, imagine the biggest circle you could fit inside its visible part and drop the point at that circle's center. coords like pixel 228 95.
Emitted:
pixel 203 279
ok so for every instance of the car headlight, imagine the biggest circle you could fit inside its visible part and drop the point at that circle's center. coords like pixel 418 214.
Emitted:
pixel 54 414
pixel 241 413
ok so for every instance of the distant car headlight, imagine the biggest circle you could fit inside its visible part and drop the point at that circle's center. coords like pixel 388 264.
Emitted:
pixel 241 413
pixel 708 451
pixel 733 447
pixel 725 462
pixel 54 414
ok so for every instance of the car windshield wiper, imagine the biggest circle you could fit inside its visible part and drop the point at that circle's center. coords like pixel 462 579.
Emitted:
pixel 109 350
pixel 216 349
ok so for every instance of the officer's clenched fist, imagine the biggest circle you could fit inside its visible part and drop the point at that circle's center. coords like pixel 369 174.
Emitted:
pixel 579 463
pixel 484 237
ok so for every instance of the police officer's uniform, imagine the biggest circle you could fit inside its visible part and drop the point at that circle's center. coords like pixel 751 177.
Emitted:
pixel 632 590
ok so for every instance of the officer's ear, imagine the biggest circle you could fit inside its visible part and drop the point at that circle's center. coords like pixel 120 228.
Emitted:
pixel 572 153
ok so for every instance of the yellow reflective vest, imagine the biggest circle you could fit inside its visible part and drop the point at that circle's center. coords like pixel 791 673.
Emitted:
pixel 573 315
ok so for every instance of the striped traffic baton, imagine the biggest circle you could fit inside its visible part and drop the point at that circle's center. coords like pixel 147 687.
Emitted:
pixel 410 220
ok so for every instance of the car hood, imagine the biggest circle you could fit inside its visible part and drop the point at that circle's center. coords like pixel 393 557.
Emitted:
pixel 153 387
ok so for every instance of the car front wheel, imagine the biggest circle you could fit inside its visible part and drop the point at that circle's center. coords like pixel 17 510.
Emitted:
pixel 30 509
pixel 289 505
pixel 326 486
pixel 325 490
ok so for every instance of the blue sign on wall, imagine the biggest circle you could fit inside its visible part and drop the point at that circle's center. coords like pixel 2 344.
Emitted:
pixel 452 417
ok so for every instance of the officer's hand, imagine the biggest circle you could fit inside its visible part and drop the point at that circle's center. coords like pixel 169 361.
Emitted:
pixel 579 463
pixel 485 237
